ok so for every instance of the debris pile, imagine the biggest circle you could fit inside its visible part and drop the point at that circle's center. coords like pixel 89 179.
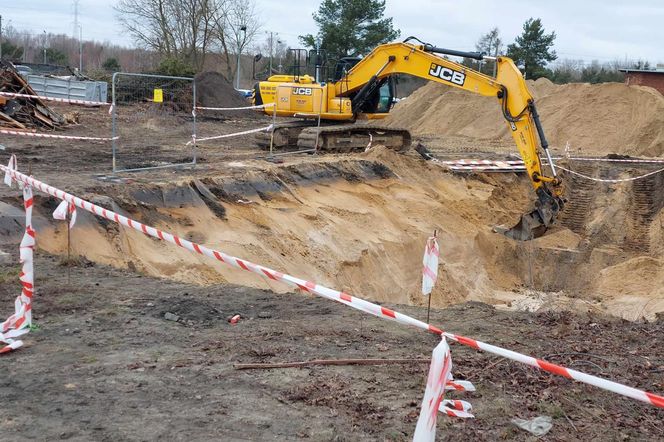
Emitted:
pixel 21 113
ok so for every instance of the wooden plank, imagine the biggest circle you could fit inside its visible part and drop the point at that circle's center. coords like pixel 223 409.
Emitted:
pixel 10 120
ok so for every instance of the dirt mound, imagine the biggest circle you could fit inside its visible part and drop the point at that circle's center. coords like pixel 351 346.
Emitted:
pixel 214 90
pixel 595 119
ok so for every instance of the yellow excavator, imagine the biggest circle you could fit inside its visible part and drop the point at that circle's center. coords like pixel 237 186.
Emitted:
pixel 363 89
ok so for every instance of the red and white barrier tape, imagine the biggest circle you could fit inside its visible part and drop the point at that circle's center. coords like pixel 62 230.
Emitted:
pixel 430 265
pixel 63 210
pixel 60 137
pixel 259 106
pixel 496 168
pixel 471 162
pixel 440 374
pixel 468 165
pixel 235 134
pixel 19 322
pixel 59 100
pixel 335 295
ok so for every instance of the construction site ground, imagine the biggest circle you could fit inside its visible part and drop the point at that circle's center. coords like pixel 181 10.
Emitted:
pixel 105 363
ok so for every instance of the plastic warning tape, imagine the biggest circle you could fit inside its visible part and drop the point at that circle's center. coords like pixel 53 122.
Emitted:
pixel 496 168
pixel 60 137
pixel 430 265
pixel 470 165
pixel 259 106
pixel 335 295
pixel 19 322
pixel 59 100
pixel 470 162
pixel 235 134
pixel 440 375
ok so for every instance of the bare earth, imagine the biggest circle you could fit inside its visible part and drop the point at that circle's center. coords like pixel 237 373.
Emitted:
pixel 105 365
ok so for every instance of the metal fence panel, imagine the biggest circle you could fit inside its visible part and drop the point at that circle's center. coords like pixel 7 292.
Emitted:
pixel 153 121
pixel 69 88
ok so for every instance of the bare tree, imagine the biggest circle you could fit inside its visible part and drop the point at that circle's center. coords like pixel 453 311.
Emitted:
pixel 491 44
pixel 236 26
pixel 178 29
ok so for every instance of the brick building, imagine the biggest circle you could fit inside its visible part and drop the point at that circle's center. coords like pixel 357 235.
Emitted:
pixel 640 77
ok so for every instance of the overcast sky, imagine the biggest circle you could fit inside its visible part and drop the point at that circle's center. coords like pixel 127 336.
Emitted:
pixel 594 29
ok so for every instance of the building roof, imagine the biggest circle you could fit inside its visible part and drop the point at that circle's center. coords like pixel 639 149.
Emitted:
pixel 643 71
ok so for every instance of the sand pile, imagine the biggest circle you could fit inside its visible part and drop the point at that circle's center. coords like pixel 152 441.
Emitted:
pixel 214 90
pixel 595 119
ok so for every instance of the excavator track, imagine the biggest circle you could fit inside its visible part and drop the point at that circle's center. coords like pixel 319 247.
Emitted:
pixel 285 135
pixel 353 138
pixel 334 138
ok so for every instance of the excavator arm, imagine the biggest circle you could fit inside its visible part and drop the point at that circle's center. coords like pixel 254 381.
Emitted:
pixel 508 88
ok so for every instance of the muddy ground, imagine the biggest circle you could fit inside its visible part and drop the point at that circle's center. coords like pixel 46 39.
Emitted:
pixel 104 364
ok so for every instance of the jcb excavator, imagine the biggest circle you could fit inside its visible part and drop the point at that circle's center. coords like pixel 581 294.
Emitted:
pixel 364 89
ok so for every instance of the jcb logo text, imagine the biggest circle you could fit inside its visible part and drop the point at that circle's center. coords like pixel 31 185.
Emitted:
pixel 302 91
pixel 447 74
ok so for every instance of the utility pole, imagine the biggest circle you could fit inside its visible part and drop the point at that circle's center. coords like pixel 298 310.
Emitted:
pixel 0 37
pixel 44 46
pixel 80 49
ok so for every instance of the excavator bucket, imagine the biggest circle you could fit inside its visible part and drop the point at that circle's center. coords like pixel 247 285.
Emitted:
pixel 535 223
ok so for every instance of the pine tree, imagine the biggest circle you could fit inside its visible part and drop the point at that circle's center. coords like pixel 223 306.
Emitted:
pixel 532 48
pixel 351 27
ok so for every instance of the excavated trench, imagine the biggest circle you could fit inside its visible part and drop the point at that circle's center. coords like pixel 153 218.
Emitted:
pixel 360 223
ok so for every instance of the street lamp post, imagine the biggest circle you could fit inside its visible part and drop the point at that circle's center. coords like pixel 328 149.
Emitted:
pixel 239 54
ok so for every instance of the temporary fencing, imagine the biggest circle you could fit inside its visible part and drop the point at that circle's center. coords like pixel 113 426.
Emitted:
pixel 152 113
pixel 335 295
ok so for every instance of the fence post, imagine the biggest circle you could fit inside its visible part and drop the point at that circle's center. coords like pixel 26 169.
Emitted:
pixel 113 130
pixel 193 111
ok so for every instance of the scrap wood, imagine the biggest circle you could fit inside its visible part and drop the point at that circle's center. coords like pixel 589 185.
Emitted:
pixel 24 112
pixel 329 362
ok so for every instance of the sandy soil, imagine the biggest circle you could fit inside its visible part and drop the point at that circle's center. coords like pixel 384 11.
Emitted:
pixel 593 118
